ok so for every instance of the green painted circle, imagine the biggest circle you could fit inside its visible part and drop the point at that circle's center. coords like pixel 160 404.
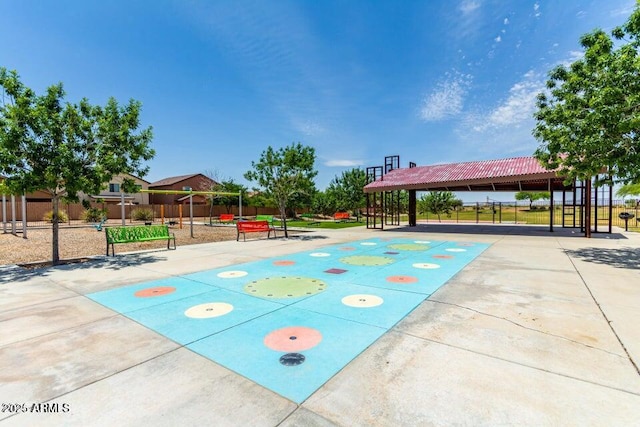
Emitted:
pixel 409 247
pixel 367 260
pixel 285 287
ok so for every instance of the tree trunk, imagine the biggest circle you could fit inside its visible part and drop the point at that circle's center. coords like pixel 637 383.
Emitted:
pixel 587 207
pixel 55 259
pixel 283 217
pixel 211 211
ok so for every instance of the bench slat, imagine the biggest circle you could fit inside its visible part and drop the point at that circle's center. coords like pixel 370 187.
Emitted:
pixel 138 233
pixel 254 227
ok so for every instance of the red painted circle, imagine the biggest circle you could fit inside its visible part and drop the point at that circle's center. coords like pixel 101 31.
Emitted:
pixel 443 256
pixel 155 292
pixel 402 279
pixel 283 262
pixel 293 338
pixel 347 248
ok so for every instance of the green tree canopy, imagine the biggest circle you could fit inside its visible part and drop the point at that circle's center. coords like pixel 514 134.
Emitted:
pixel 532 196
pixel 65 148
pixel 589 120
pixel 438 202
pixel 347 191
pixel 284 174
pixel 629 190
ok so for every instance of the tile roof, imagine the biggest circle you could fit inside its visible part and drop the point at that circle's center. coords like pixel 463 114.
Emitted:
pixel 464 176
pixel 172 180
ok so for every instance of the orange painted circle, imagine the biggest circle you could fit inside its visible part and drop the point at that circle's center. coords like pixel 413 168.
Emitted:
pixel 293 338
pixel 283 262
pixel 347 248
pixel 402 279
pixel 443 256
pixel 158 291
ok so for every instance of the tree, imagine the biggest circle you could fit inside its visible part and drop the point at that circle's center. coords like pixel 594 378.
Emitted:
pixel 347 191
pixel 323 203
pixel 438 202
pixel 629 190
pixel 588 121
pixel 285 173
pixel 229 186
pixel 532 196
pixel 64 148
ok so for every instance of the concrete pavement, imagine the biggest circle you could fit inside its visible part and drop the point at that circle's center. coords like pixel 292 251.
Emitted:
pixel 541 329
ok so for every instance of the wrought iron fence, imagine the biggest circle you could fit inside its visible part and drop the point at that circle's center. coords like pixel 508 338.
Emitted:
pixel 72 214
pixel 519 212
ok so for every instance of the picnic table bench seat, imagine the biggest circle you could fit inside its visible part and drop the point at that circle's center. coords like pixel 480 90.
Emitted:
pixel 138 233
pixel 341 216
pixel 245 227
pixel 226 218
pixel 268 218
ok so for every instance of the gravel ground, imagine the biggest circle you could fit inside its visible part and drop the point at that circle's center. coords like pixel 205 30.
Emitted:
pixel 86 241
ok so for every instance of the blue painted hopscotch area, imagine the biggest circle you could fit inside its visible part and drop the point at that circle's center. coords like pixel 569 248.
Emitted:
pixel 291 322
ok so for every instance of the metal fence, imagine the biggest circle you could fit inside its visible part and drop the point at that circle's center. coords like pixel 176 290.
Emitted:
pixel 36 213
pixel 481 212
pixel 519 212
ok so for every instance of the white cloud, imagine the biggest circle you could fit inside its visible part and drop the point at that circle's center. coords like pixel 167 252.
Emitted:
pixel 506 21
pixel 446 100
pixel 536 9
pixel 497 39
pixel 572 56
pixel 627 10
pixel 309 128
pixel 519 106
pixel 343 163
pixel 516 110
pixel 468 6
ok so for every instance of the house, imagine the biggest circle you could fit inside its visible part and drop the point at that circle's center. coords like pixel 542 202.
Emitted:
pixel 35 196
pixel 112 193
pixel 194 182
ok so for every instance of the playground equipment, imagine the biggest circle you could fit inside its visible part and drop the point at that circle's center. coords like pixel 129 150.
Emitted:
pixel 14 227
pixel 191 193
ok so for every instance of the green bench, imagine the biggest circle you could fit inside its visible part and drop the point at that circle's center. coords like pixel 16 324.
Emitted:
pixel 268 218
pixel 138 233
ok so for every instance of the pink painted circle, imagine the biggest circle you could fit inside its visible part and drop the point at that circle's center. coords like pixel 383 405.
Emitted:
pixel 347 248
pixel 443 256
pixel 402 279
pixel 293 339
pixel 283 262
pixel 155 292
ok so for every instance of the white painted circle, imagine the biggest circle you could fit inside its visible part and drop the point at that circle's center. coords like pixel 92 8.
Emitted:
pixel 368 243
pixel 362 300
pixel 232 274
pixel 422 242
pixel 210 309
pixel 320 254
pixel 456 250
pixel 425 265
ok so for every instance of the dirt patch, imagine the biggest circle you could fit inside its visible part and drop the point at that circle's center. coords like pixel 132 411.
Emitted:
pixel 79 243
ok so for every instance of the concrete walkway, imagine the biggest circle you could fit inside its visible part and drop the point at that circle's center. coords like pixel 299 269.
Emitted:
pixel 541 329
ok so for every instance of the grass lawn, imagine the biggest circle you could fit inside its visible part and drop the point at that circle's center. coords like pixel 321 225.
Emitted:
pixel 320 224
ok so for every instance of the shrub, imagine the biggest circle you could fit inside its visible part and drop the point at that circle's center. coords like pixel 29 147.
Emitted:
pixel 142 214
pixel 93 215
pixel 62 216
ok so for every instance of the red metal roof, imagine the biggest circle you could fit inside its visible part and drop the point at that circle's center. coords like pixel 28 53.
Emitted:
pixel 514 174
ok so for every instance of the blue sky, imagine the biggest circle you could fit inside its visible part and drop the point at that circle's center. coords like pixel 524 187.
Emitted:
pixel 431 81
